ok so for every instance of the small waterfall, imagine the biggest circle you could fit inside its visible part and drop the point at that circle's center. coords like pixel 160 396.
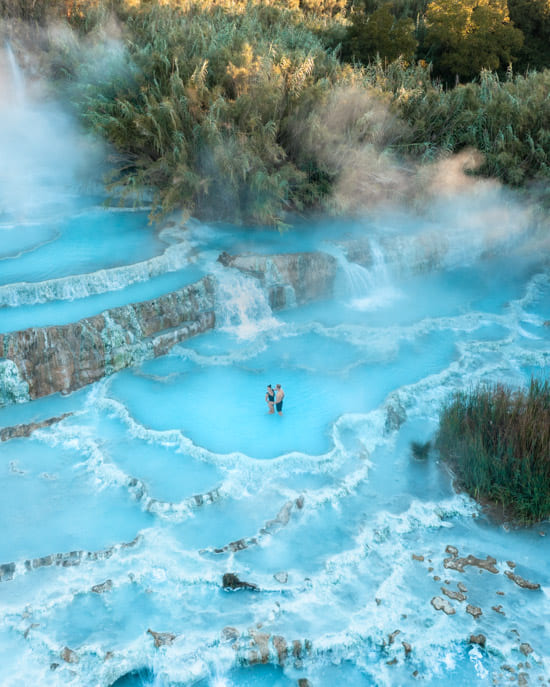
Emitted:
pixel 241 304
pixel 18 80
pixel 366 288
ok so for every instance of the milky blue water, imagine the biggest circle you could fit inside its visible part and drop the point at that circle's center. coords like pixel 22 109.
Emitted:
pixel 160 468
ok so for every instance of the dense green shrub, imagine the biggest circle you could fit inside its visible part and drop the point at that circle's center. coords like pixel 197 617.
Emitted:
pixel 498 443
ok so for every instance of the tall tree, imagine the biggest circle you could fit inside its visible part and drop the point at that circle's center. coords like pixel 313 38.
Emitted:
pixel 380 33
pixel 466 36
pixel 532 17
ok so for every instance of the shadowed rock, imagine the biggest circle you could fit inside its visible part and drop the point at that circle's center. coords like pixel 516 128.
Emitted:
pixel 231 581
pixel 407 648
pixel 478 639
pixel 520 581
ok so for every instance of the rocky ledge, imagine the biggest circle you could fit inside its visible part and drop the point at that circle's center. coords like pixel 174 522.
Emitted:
pixel 40 361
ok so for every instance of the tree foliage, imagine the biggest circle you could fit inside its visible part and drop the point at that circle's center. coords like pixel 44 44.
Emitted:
pixel 381 34
pixel 466 36
pixel 532 18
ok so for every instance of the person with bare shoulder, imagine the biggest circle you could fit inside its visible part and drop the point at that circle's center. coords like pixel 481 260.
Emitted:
pixel 270 398
pixel 279 395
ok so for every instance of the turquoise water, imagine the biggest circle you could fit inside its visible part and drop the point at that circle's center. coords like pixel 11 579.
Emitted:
pixel 162 466
pixel 168 475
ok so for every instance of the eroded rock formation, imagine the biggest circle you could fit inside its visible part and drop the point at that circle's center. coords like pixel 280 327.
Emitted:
pixel 40 361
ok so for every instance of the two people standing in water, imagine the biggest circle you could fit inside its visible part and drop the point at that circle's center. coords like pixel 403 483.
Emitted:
pixel 274 398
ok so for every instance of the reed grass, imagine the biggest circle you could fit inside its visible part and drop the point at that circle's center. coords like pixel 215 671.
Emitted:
pixel 497 441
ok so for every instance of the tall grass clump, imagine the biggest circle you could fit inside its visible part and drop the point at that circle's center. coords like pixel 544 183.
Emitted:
pixel 497 440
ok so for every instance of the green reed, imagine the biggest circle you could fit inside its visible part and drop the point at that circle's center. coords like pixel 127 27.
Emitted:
pixel 497 441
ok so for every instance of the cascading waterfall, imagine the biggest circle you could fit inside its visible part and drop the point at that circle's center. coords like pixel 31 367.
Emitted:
pixel 242 306
pixel 366 288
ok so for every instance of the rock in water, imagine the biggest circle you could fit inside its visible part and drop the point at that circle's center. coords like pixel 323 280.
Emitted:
pixel 456 596
pixel 474 611
pixel 231 581
pixel 455 563
pixel 478 639
pixel 526 648
pixel 162 638
pixel 69 656
pixel 521 582
pixel 103 587
pixel 442 605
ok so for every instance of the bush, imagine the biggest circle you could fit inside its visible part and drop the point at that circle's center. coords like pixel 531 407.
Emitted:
pixel 497 440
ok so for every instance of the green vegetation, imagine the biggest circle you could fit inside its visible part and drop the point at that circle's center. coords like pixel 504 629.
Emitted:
pixel 498 443
pixel 244 110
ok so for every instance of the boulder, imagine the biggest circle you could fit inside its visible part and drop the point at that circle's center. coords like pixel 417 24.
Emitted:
pixel 478 639
pixel 231 581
